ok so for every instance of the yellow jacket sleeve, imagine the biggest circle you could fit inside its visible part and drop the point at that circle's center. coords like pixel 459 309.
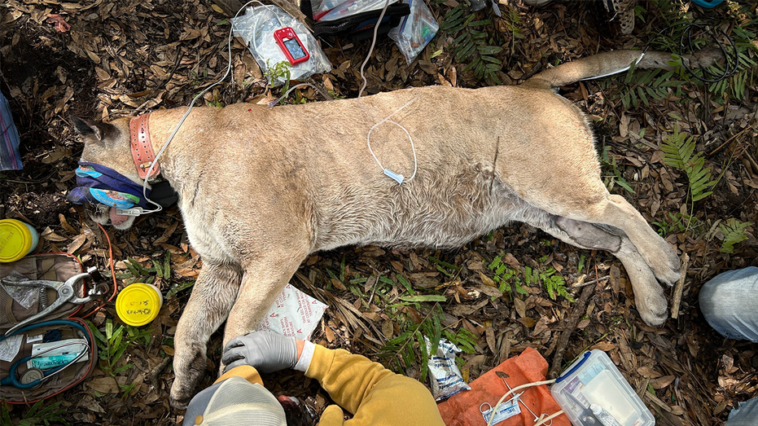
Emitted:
pixel 375 395
pixel 247 372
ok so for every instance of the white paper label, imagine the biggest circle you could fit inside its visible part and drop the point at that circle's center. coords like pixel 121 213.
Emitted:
pixel 34 339
pixel 9 347
pixel 506 410
pixel 294 313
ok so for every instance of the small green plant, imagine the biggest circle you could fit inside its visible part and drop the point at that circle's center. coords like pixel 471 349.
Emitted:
pixel 676 223
pixel 114 343
pixel 278 71
pixel 734 232
pixel 333 276
pixel 410 345
pixel 176 289
pixel 505 276
pixel 472 43
pixel 448 269
pixel 617 178
pixel 554 284
pixel 36 416
pixel 678 152
pixel 136 273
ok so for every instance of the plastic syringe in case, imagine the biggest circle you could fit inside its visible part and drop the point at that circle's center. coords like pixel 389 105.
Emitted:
pixel 593 381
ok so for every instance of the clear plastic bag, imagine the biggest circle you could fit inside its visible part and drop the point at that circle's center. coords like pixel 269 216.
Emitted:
pixel 10 159
pixel 415 30
pixel 322 7
pixel 24 295
pixel 351 7
pixel 256 27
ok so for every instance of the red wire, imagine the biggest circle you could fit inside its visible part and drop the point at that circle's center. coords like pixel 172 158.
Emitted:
pixel 113 275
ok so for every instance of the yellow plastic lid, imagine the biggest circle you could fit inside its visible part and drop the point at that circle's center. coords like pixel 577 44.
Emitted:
pixel 15 240
pixel 138 304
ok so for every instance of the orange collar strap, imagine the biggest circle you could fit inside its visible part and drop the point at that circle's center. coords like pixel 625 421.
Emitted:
pixel 142 148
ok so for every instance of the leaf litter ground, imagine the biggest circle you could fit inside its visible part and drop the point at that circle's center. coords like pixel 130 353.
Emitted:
pixel 495 296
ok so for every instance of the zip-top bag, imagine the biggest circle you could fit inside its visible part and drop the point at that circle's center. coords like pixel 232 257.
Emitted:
pixel 37 341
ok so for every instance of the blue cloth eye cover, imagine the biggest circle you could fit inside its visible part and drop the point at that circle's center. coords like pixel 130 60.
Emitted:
pixel 99 184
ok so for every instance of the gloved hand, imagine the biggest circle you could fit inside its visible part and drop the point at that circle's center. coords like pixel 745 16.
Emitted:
pixel 265 350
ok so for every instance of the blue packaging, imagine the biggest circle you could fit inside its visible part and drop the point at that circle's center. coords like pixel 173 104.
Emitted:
pixel 9 140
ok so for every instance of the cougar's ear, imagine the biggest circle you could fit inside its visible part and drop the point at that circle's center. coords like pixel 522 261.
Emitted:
pixel 92 131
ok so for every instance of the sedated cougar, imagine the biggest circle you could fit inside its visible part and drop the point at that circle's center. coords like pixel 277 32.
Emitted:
pixel 261 188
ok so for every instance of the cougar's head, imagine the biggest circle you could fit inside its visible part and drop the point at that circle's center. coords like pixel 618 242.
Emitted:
pixel 107 145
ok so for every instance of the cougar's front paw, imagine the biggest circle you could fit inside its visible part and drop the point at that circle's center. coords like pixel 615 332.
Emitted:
pixel 663 261
pixel 189 369
pixel 652 305
pixel 667 267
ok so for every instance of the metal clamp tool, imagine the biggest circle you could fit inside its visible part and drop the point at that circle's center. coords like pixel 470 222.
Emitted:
pixel 518 399
pixel 66 294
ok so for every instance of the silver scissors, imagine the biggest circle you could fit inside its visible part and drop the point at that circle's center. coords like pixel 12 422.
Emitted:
pixel 518 399
pixel 66 294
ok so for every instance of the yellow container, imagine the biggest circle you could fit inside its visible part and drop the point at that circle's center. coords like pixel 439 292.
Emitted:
pixel 17 239
pixel 138 304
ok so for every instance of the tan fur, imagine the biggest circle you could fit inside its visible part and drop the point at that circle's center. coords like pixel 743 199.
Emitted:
pixel 261 188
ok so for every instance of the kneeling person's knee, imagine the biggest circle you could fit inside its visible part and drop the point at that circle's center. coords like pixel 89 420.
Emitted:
pixel 729 303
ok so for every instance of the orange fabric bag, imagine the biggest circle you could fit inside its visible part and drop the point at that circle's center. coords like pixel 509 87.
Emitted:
pixel 463 409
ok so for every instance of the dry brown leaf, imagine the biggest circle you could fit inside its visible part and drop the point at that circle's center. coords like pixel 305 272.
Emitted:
pixel 487 280
pixel 510 260
pixel 489 335
pixel 49 235
pixel 338 284
pixel 648 372
pixel 489 291
pixel 604 346
pixel 329 334
pixel 520 306
pixel 662 382
pixel 103 385
pixel 76 243
pixel 65 225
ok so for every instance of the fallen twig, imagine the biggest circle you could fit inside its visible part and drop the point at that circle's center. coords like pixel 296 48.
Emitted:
pixel 576 315
pixel 679 288
pixel 585 284
pixel 157 370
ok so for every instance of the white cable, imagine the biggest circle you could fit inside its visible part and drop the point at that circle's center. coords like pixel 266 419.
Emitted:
pixel 386 120
pixel 528 385
pixel 184 117
pixel 542 420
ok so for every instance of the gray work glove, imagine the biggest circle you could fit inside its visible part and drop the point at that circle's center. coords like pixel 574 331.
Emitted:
pixel 265 350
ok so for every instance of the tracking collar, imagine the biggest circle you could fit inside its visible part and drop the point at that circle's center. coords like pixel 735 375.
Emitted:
pixel 142 147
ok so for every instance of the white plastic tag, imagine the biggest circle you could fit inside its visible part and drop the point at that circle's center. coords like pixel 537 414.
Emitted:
pixel 34 339
pixel 135 211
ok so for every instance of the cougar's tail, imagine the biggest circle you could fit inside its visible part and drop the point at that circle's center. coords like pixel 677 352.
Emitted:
pixel 608 63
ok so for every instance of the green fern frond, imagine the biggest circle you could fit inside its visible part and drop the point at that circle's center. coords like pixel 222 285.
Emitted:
pixel 472 44
pixel 734 232
pixel 679 153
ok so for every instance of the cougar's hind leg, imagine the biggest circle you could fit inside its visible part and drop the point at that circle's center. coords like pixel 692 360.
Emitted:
pixel 650 300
